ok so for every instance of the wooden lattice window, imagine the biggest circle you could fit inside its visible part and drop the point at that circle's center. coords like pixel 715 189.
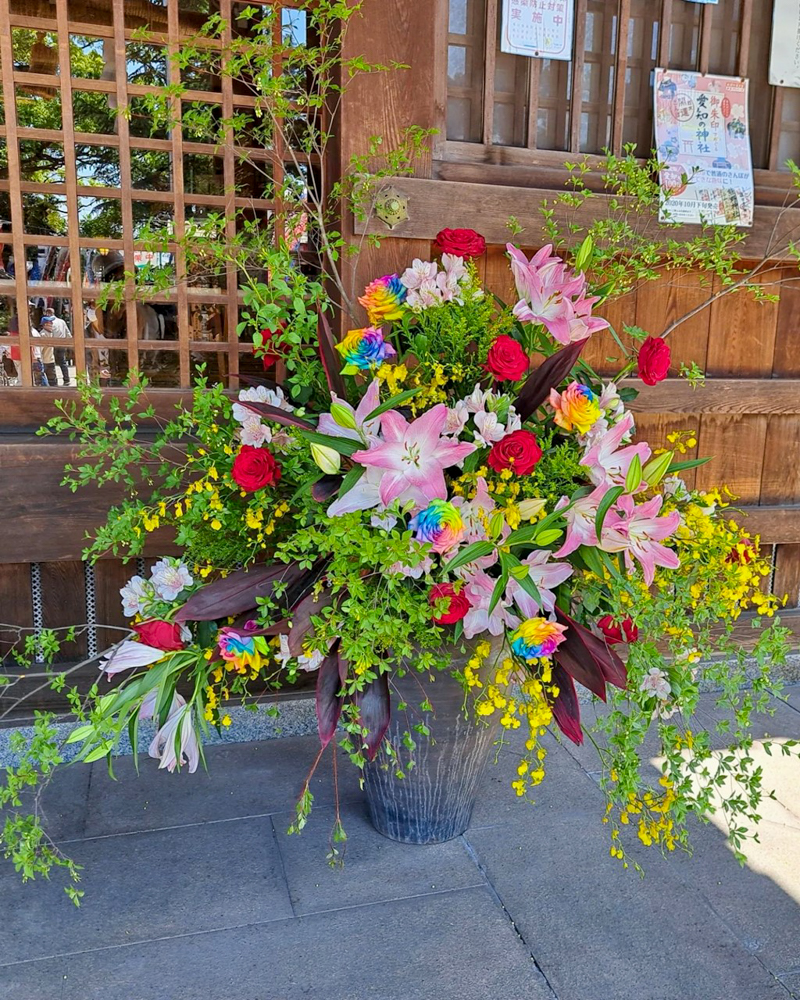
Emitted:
pixel 517 110
pixel 84 173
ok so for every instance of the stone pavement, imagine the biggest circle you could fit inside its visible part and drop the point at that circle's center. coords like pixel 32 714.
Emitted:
pixel 194 891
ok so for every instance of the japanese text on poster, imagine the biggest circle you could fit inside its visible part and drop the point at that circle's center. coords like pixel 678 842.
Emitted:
pixel 703 142
pixel 784 53
pixel 540 28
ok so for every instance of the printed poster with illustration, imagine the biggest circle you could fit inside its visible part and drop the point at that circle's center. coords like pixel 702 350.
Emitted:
pixel 538 28
pixel 703 141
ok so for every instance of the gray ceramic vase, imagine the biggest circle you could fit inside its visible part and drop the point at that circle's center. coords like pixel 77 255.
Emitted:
pixel 433 803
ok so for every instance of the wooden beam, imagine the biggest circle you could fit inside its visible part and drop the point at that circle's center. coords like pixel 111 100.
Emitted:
pixel 488 208
pixel 724 395
pixel 775 525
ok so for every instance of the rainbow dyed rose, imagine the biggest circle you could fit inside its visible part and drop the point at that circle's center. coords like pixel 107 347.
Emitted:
pixel 576 407
pixel 383 299
pixel 365 348
pixel 238 648
pixel 440 524
pixel 537 637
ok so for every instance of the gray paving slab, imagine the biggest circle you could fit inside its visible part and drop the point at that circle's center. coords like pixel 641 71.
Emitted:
pixel 63 802
pixel 791 984
pixel 448 946
pixel 375 869
pixel 149 885
pixel 246 779
pixel 599 932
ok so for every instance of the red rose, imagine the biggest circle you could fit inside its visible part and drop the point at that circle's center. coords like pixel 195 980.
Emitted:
pixel 654 358
pixel 272 355
pixel 457 608
pixel 461 242
pixel 160 635
pixel 615 633
pixel 518 451
pixel 506 359
pixel 255 468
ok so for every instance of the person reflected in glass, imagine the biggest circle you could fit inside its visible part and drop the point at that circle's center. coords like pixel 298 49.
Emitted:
pixel 54 326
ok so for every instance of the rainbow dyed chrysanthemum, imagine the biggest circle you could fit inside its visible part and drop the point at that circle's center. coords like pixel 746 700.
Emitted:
pixel 537 637
pixel 440 524
pixel 576 407
pixel 383 299
pixel 365 348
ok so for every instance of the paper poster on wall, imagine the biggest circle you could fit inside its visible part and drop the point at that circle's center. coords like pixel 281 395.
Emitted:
pixel 538 28
pixel 784 53
pixel 703 142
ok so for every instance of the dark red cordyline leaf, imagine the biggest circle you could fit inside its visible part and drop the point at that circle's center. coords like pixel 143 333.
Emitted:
pixel 239 591
pixel 331 677
pixel 566 710
pixel 325 488
pixel 574 658
pixel 277 415
pixel 329 356
pixel 278 628
pixel 255 380
pixel 550 373
pixel 374 712
pixel 609 662
pixel 301 618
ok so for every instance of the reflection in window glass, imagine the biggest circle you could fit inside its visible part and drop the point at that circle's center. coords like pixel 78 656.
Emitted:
pixel 207 321
pixel 99 217
pixel 91 58
pixel 107 365
pixel 203 174
pixel 152 221
pixel 146 64
pixel 201 122
pixel 94 112
pixel 35 51
pixel 44 214
pixel 38 107
pixel 97 166
pixel 151 170
pixel 643 36
pixel 465 70
pixel 142 120
pixel 200 68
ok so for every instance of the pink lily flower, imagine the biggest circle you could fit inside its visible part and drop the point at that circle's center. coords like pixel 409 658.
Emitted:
pixel 413 457
pixel 580 518
pixel 478 590
pixel 607 463
pixel 178 727
pixel 643 530
pixel 128 655
pixel 364 429
pixel 545 575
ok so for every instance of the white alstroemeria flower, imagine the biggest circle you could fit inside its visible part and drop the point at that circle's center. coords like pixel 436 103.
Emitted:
pixel 489 429
pixel 305 661
pixel 129 655
pixel 259 394
pixel 136 596
pixel 253 432
pixel 170 577
pixel 457 417
pixel 656 683
pixel 419 272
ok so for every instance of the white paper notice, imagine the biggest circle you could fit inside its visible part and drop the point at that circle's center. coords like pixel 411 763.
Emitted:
pixel 703 143
pixel 539 28
pixel 784 55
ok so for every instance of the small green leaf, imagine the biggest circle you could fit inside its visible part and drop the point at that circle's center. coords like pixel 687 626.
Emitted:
pixel 477 550
pixel 343 445
pixel 691 463
pixel 548 536
pixel 351 479
pixel 80 734
pixel 605 505
pixel 390 404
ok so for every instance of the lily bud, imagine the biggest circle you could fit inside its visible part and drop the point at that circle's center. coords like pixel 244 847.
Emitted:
pixel 528 509
pixel 327 459
pixel 496 522
pixel 343 416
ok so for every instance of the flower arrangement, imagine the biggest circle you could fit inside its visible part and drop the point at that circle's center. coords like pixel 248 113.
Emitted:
pixel 455 478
